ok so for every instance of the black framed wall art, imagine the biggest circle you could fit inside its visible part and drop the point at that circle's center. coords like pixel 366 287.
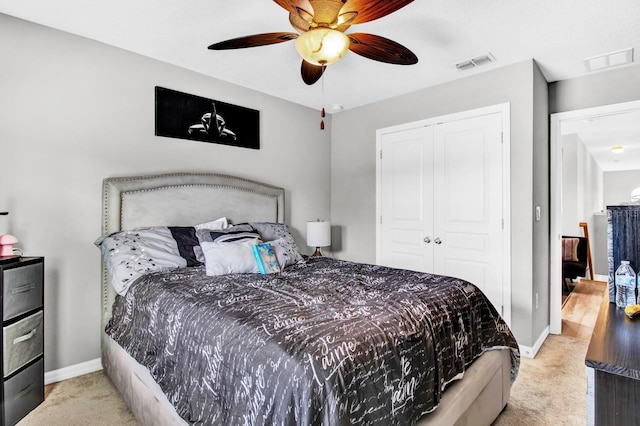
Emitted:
pixel 184 116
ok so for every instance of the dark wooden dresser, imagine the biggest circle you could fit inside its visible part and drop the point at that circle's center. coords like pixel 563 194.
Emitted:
pixel 22 353
pixel 613 369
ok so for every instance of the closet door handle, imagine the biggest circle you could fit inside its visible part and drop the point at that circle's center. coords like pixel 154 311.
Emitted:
pixel 427 240
pixel 437 241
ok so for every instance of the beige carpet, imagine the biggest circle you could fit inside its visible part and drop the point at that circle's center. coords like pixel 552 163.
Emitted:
pixel 550 390
pixel 86 400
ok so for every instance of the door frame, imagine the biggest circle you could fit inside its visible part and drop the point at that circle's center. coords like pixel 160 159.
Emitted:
pixel 505 110
pixel 555 253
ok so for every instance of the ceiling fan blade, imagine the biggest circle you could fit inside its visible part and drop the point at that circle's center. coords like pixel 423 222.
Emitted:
pixel 369 10
pixel 253 41
pixel 286 5
pixel 381 49
pixel 310 72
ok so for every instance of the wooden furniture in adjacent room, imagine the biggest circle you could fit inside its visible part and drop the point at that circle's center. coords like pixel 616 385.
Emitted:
pixel 613 369
pixel 574 258
pixel 585 229
pixel 22 283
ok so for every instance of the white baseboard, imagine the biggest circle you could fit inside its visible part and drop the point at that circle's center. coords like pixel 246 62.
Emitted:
pixel 529 352
pixel 604 278
pixel 72 371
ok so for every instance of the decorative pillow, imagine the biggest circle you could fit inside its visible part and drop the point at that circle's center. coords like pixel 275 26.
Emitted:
pixel 570 249
pixel 223 258
pixel 284 254
pixel 130 254
pixel 281 239
pixel 188 243
pixel 231 234
pixel 221 223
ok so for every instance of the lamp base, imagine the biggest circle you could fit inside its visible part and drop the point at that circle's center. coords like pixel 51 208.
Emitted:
pixel 317 253
pixel 6 244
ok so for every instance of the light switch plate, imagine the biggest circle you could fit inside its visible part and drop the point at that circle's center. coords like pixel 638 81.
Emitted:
pixel 538 215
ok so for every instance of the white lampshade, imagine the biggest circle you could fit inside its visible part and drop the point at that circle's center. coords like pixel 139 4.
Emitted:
pixel 318 234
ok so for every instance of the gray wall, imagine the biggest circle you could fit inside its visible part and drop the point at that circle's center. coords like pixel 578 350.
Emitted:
pixel 582 186
pixel 541 197
pixel 618 186
pixel 598 239
pixel 353 171
pixel 570 185
pixel 74 111
pixel 582 196
pixel 601 88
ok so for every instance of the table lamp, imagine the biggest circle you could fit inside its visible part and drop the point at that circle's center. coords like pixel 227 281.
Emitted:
pixel 318 235
pixel 6 242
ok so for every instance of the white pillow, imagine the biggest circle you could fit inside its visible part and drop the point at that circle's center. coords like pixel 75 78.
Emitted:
pixel 221 223
pixel 230 257
pixel 130 254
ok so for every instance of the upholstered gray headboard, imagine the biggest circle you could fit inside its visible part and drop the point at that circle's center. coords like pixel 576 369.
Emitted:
pixel 182 199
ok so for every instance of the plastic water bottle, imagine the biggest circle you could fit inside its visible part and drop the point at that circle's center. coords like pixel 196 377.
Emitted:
pixel 625 279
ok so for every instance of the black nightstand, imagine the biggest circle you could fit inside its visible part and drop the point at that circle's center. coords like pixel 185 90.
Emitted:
pixel 22 283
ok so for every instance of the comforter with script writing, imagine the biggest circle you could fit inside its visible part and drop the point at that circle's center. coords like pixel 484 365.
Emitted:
pixel 324 342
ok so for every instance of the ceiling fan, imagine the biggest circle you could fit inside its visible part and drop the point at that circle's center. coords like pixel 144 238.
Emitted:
pixel 321 40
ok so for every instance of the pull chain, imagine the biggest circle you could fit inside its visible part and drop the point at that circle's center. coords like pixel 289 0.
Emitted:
pixel 322 111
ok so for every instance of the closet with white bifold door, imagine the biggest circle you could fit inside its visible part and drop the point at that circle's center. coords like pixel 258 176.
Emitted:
pixel 442 199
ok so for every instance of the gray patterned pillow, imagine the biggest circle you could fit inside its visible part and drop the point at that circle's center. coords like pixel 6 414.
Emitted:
pixel 286 248
pixel 232 234
pixel 130 254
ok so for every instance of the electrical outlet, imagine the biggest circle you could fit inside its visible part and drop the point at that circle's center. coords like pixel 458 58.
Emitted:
pixel 536 300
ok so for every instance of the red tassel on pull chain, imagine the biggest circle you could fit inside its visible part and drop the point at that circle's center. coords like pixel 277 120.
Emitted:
pixel 322 121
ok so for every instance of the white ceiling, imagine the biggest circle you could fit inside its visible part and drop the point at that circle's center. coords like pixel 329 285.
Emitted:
pixel 558 34
pixel 600 133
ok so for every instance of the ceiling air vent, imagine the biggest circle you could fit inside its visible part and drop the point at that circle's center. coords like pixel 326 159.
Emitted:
pixel 609 60
pixel 475 62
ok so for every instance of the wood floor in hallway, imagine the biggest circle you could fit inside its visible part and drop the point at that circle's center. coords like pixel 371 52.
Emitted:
pixel 580 310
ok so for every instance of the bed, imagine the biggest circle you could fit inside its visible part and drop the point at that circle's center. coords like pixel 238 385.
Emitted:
pixel 183 199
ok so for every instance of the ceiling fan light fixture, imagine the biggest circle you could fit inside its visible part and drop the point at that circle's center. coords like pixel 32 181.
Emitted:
pixel 347 18
pixel 322 46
